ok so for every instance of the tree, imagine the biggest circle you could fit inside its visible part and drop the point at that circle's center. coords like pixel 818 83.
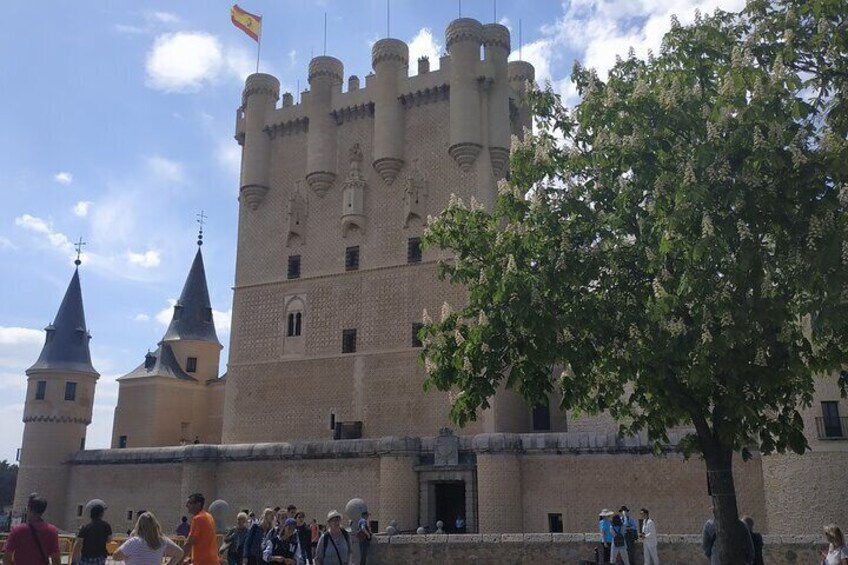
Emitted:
pixel 8 480
pixel 672 250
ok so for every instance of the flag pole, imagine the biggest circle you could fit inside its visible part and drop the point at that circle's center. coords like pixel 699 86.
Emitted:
pixel 258 47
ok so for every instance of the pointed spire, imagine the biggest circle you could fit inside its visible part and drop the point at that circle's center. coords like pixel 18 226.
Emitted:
pixel 66 345
pixel 192 318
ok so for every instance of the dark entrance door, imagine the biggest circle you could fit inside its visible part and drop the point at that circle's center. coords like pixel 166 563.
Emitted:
pixel 450 503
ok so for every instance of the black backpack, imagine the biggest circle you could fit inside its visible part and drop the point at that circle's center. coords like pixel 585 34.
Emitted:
pixel 617 538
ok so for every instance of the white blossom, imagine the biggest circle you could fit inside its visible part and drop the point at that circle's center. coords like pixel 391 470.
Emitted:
pixel 504 187
pixel 484 347
pixel 482 318
pixel 483 280
pixel 759 140
pixel 760 358
pixel 743 230
pixel 707 229
pixel 466 365
pixel 726 320
pixel 510 264
pixel 429 367
pixel 659 291
pixel 706 336
pixel 425 317
pixel 689 174
pixel 474 205
pixel 843 194
pixel 458 337
pixel 446 311
pixel 845 252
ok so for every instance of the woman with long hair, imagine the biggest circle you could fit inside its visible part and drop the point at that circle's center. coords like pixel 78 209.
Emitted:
pixel 147 545
pixel 837 553
pixel 256 537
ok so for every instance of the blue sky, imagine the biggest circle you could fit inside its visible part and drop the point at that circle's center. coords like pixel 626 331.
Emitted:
pixel 118 124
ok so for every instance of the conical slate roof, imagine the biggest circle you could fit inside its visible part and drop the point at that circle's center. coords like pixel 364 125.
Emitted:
pixel 66 345
pixel 161 363
pixel 192 317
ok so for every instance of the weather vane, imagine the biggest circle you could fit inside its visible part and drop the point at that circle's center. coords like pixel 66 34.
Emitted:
pixel 201 219
pixel 78 245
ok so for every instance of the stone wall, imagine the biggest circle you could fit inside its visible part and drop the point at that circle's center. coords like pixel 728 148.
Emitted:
pixel 532 549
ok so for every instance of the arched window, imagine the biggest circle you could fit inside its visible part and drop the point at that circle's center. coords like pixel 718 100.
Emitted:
pixel 290 330
pixel 298 323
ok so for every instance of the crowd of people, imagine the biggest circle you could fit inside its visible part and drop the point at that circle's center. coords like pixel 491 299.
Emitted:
pixel 283 537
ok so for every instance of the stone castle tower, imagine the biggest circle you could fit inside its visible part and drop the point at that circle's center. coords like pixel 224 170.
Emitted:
pixel 176 391
pixel 59 402
pixel 331 281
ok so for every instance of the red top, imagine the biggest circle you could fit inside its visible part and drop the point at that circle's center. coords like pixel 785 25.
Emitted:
pixel 22 543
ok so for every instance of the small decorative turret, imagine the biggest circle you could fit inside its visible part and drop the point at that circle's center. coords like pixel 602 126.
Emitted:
pixel 259 99
pixel 353 201
pixel 325 78
pixel 520 73
pixel 390 59
pixel 496 48
pixel 463 39
pixel 58 406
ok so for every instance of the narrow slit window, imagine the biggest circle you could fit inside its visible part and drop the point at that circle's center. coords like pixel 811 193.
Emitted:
pixel 191 365
pixel 349 341
pixel 413 250
pixel 352 258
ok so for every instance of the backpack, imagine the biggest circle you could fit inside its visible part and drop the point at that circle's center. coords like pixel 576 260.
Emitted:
pixel 325 539
pixel 617 538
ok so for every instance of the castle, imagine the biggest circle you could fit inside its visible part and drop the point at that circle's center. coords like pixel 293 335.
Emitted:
pixel 322 400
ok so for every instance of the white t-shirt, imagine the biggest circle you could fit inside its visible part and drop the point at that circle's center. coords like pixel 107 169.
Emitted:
pixel 137 551
pixel 836 555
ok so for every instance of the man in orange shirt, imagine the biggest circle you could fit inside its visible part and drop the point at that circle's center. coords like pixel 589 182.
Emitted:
pixel 201 544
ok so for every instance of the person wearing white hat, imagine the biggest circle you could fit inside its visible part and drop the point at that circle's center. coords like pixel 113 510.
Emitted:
pixel 334 545
pixel 605 529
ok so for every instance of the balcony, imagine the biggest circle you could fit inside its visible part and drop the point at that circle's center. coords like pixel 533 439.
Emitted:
pixel 832 428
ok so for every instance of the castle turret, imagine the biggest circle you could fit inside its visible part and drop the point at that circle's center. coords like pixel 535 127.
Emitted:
pixel 173 381
pixel 520 73
pixel 463 39
pixel 325 78
pixel 59 401
pixel 496 48
pixel 259 99
pixel 390 59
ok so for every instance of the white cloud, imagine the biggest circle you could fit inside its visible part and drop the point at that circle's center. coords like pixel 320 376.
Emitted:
pixel 141 318
pixel 166 17
pixel 64 177
pixel 223 320
pixel 81 208
pixel 37 225
pixel 19 348
pixel 6 243
pixel 293 57
pixel 146 260
pixel 186 61
pixel 183 61
pixel 228 155
pixel 130 29
pixel 539 54
pixel 164 316
pixel 424 45
pixel 166 170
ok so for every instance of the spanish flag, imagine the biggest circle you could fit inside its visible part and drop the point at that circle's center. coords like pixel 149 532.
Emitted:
pixel 247 22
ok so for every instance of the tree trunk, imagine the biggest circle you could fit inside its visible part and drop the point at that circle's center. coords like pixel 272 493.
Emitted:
pixel 731 541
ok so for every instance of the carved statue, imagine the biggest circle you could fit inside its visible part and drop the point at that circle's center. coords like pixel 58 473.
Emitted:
pixel 415 196
pixel 298 211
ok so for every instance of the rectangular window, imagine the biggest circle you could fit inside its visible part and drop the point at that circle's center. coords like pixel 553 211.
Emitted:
pixel 294 267
pixel 70 391
pixel 82 444
pixel 122 443
pixel 79 510
pixel 352 258
pixel 413 250
pixel 40 390
pixel 129 515
pixel 555 523
pixel 831 421
pixel 416 327
pixel 191 365
pixel 348 341
pixel 542 418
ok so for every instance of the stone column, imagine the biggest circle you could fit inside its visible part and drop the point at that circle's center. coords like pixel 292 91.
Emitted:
pixel 399 483
pixel 499 501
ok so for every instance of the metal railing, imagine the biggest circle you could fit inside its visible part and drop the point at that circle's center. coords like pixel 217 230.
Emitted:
pixel 832 428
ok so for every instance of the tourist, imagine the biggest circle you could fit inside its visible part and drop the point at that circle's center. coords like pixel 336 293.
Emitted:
pixel 201 543
pixel 363 534
pixel 147 545
pixel 256 537
pixel 619 544
pixel 235 538
pixel 183 529
pixel 605 529
pixel 291 511
pixel 631 532
pixel 756 539
pixel 837 553
pixel 33 542
pixel 90 545
pixel 304 539
pixel 334 545
pixel 282 547
pixel 315 531
pixel 710 547
pixel 649 539
pixel 460 524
